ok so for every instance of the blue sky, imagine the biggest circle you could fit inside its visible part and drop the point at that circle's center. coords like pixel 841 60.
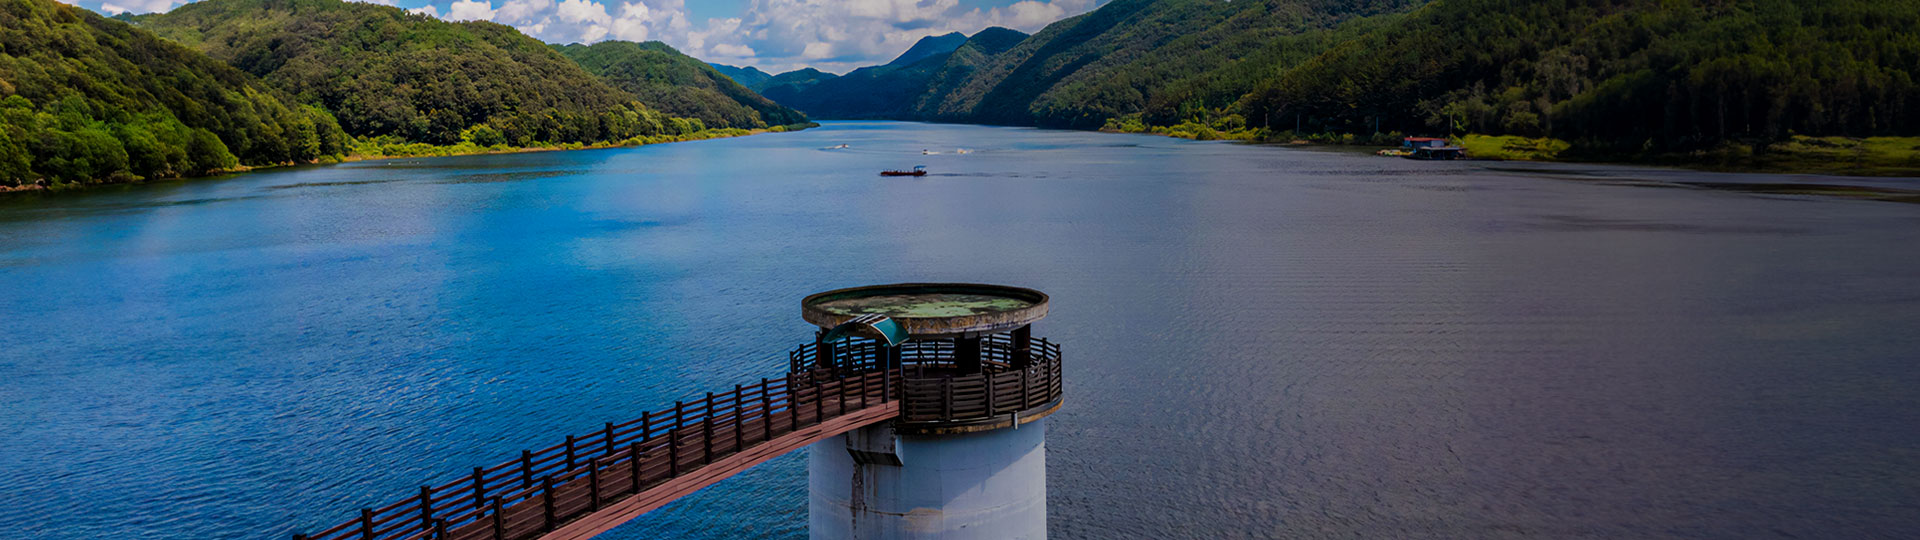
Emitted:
pixel 774 35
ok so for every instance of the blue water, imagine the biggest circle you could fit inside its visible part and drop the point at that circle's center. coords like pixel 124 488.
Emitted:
pixel 1261 342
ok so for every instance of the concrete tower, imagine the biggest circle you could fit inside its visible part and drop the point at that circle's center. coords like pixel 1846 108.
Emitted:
pixel 966 457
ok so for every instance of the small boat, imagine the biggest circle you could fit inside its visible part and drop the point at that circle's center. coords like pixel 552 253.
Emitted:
pixel 917 171
pixel 840 147
pixel 1426 149
pixel 1438 153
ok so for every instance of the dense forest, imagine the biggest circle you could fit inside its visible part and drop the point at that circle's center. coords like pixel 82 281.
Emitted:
pixel 680 85
pixel 1616 75
pixel 385 72
pixel 84 98
pixel 1619 74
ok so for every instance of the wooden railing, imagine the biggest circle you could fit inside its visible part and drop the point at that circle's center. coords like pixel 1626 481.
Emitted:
pixel 1012 379
pixel 544 489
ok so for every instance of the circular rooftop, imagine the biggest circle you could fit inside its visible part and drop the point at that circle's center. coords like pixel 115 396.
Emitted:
pixel 929 310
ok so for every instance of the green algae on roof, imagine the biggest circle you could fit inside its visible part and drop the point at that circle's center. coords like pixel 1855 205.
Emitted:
pixel 924 305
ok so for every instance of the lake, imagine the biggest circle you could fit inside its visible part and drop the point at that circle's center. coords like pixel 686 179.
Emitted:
pixel 1260 341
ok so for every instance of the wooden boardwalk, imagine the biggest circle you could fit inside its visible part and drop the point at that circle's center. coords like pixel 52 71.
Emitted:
pixel 590 484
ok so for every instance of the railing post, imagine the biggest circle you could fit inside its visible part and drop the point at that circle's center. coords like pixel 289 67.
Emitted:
pixel 440 529
pixel 569 466
pixel 635 451
pixel 706 433
pixel 479 488
pixel 739 420
pixel 366 523
pixel 766 409
pixel 546 503
pixel 1025 388
pixel 609 437
pixel 886 385
pixel 499 521
pixel 673 452
pixel 646 425
pixel 946 399
pixel 819 404
pixel 990 409
pixel 426 504
pixel 593 484
pixel 526 468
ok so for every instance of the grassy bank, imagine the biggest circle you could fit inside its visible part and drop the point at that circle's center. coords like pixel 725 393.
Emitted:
pixel 1872 156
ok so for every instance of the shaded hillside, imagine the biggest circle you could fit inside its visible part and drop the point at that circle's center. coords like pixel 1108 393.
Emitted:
pixel 383 71
pixel 896 89
pixel 1629 74
pixel 929 46
pixel 679 85
pixel 84 98
pixel 1130 55
pixel 791 82
pixel 747 76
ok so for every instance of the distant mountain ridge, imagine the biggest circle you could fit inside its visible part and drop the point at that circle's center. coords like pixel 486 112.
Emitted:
pixel 747 76
pixel 677 84
pixel 892 90
pixel 929 46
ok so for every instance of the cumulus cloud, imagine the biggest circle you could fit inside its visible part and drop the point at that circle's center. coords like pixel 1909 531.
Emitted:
pixel 777 35
pixel 138 6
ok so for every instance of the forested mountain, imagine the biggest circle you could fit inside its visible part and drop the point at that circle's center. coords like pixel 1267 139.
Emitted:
pixel 383 71
pixel 929 46
pixel 680 85
pixel 894 90
pixel 84 98
pixel 1627 74
pixel 1622 74
pixel 793 81
pixel 747 76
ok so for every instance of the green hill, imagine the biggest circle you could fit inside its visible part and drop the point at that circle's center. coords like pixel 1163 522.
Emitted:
pixel 679 85
pixel 385 72
pixel 87 99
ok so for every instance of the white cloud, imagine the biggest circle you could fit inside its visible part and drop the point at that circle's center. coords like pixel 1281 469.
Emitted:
pixel 471 10
pixel 380 2
pixel 139 6
pixel 427 10
pixel 776 35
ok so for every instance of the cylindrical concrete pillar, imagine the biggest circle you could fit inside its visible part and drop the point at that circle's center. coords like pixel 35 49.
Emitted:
pixel 873 484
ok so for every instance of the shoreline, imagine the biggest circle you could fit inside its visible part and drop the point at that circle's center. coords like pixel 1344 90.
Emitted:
pixel 1827 156
pixel 6 191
